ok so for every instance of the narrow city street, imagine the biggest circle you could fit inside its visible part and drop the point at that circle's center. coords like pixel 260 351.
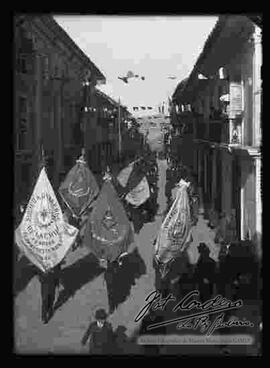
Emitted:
pixel 105 150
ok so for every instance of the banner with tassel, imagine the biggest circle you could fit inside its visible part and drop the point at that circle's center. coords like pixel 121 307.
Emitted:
pixel 174 235
pixel 43 235
pixel 79 188
pixel 108 232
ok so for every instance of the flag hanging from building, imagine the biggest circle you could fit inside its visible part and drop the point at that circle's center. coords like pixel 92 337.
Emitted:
pixel 79 188
pixel 43 235
pixel 174 235
pixel 108 232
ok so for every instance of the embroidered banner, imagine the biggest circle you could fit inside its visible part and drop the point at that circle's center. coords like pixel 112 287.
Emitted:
pixel 108 232
pixel 79 188
pixel 175 230
pixel 43 235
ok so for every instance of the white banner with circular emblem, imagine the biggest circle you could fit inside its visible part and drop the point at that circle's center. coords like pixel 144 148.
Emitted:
pixel 174 235
pixel 43 235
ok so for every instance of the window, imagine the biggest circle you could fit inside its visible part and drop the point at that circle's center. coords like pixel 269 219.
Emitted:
pixel 56 71
pixel 54 113
pixel 189 128
pixel 22 64
pixel 45 67
pixel 22 123
pixel 22 133
pixel 213 100
pixel 26 174
pixel 22 105
pixel 72 113
pixel 68 160
pixel 200 106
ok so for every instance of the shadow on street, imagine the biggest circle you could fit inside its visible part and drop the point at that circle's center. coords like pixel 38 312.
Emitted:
pixel 76 276
pixel 144 214
pixel 119 279
pixel 24 271
pixel 124 344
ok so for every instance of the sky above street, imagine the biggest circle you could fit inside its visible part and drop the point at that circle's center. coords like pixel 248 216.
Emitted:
pixel 151 46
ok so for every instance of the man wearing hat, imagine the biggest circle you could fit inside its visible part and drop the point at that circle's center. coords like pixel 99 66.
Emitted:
pixel 100 333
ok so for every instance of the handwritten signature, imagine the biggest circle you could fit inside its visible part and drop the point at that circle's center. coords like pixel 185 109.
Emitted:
pixel 200 317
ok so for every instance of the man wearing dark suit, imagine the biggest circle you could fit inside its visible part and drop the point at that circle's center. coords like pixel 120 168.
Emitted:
pixel 205 273
pixel 49 282
pixel 100 333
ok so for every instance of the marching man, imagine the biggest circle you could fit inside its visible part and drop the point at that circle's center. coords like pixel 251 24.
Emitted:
pixel 99 334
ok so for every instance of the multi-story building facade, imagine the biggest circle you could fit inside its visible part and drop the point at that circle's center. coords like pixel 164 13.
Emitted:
pixel 107 138
pixel 52 79
pixel 221 102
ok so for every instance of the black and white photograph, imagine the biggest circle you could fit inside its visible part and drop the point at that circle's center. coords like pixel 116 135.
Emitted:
pixel 137 204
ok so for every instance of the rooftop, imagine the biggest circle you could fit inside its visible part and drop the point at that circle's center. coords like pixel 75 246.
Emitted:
pixel 58 32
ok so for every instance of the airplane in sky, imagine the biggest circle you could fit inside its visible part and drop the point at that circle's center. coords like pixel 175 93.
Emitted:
pixel 124 79
pixel 129 75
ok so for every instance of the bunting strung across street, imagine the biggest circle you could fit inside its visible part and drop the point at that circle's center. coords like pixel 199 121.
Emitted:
pixel 79 188
pixel 43 235
pixel 108 232
pixel 174 235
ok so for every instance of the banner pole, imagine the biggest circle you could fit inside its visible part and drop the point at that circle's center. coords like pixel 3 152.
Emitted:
pixel 42 159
